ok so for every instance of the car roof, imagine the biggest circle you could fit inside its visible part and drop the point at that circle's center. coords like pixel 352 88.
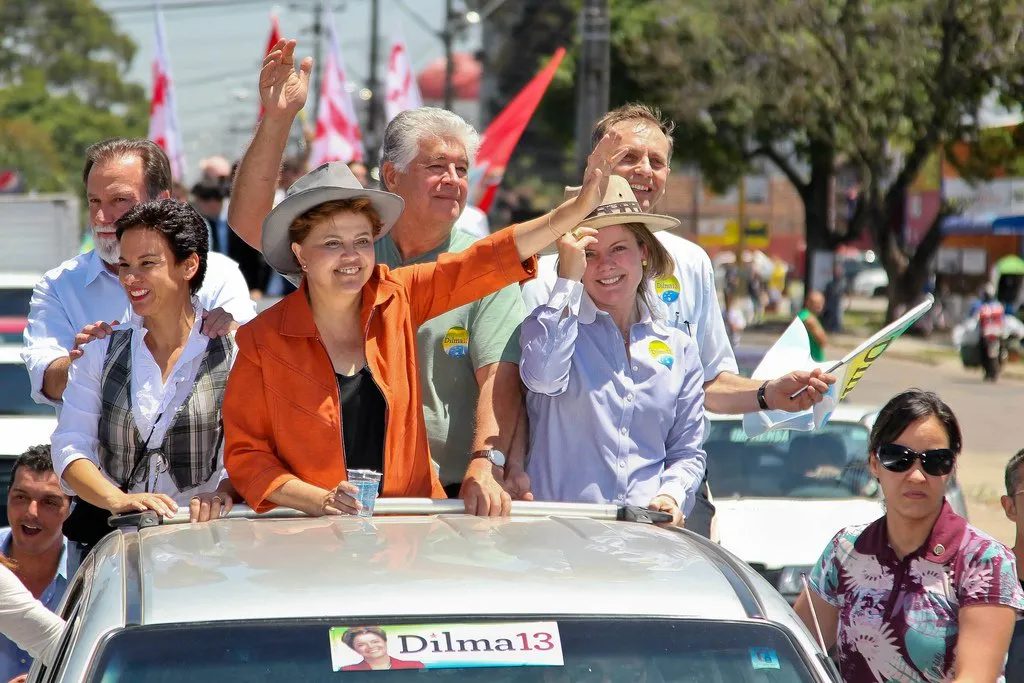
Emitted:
pixel 432 565
pixel 844 412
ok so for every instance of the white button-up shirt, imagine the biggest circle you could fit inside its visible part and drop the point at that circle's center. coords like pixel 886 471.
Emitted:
pixel 607 427
pixel 154 403
pixel 81 291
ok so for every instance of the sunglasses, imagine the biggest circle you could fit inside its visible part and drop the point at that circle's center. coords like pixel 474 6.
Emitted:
pixel 897 458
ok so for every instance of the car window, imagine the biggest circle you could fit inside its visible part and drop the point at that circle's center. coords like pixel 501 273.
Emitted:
pixel 592 651
pixel 15 301
pixel 16 392
pixel 828 463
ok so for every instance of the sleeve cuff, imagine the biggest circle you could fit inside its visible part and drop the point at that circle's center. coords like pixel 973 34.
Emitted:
pixel 37 360
pixel 566 293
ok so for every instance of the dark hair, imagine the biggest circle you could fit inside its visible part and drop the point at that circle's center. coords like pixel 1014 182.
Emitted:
pixel 1012 476
pixel 908 407
pixel 300 228
pixel 156 168
pixel 633 111
pixel 36 459
pixel 350 635
pixel 181 225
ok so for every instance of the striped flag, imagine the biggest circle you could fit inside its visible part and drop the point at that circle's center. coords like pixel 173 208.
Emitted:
pixel 164 128
pixel 337 137
pixel 401 90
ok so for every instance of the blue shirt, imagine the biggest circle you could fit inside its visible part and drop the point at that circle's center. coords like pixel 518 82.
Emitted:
pixel 606 427
pixel 14 661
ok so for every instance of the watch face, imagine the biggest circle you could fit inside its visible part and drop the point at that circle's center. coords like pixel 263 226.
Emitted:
pixel 497 457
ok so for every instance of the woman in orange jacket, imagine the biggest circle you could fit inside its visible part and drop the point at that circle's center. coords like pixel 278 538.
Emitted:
pixel 327 380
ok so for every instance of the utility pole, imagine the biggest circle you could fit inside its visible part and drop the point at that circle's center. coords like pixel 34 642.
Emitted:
pixel 377 93
pixel 592 76
pixel 449 64
pixel 318 32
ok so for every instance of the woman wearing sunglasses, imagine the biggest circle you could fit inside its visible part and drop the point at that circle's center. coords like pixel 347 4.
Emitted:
pixel 918 595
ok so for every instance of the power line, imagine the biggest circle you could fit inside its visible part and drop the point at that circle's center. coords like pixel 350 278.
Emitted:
pixel 186 5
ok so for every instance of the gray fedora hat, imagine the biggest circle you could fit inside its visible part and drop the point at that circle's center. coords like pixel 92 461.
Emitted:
pixel 331 181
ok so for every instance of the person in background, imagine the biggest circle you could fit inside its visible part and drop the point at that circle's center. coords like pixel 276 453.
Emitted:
pixel 25 621
pixel 179 192
pixel 735 323
pixel 595 358
pixel 209 201
pixel 141 423
pixel 474 222
pixel 342 350
pixel 358 169
pixel 81 298
pixel 1013 507
pixel 835 293
pixel 36 510
pixel 816 335
pixel 991 315
pixel 919 594
pixel 468 356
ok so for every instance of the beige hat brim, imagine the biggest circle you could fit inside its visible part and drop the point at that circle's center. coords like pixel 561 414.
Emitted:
pixel 655 222
pixel 277 246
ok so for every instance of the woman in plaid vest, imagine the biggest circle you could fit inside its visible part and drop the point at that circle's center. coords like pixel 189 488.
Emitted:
pixel 140 427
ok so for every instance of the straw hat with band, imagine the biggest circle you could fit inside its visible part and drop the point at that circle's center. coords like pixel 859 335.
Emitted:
pixel 618 206
pixel 330 182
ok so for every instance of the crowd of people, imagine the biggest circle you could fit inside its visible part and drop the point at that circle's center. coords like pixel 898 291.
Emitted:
pixel 454 365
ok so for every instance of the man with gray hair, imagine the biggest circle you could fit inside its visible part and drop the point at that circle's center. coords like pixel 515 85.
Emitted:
pixel 468 357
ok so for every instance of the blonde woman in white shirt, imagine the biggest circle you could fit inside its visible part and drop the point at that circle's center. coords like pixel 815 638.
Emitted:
pixel 141 425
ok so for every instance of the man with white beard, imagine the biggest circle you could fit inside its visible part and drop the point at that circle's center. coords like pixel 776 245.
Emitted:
pixel 82 297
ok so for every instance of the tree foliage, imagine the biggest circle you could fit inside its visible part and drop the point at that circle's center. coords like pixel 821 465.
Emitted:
pixel 816 85
pixel 61 66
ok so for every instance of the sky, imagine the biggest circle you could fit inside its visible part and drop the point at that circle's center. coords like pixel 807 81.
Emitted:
pixel 216 52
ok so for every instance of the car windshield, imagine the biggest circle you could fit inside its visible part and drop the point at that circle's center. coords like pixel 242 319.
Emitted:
pixel 586 651
pixel 16 392
pixel 830 463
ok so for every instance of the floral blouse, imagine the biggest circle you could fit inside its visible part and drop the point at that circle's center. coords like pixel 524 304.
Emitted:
pixel 898 619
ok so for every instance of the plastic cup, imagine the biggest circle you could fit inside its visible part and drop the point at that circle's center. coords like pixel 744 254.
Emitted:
pixel 368 482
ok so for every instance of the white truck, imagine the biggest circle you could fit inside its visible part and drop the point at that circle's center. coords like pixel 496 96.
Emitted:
pixel 37 232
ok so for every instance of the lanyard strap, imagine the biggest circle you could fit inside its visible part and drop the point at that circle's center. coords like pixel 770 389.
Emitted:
pixel 144 460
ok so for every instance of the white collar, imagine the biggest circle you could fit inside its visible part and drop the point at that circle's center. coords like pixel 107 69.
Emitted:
pixel 95 267
pixel 194 336
pixel 589 312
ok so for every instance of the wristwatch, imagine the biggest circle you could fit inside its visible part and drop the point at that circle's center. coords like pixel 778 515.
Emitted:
pixel 496 457
pixel 761 400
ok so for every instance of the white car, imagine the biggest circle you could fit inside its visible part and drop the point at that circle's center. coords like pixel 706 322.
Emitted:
pixel 781 497
pixel 23 422
pixel 870 282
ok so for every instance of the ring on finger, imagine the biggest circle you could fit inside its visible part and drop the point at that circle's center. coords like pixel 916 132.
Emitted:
pixel 576 235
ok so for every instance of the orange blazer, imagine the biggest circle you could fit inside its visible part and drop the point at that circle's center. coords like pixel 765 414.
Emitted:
pixel 282 414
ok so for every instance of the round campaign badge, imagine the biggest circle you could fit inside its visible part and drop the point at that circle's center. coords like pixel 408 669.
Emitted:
pixel 456 342
pixel 661 353
pixel 667 288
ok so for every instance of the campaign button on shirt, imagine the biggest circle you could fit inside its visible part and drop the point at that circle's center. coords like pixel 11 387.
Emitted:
pixel 661 352
pixel 456 342
pixel 667 288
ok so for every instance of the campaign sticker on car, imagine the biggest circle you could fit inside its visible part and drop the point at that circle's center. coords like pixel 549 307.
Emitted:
pixel 764 658
pixel 445 646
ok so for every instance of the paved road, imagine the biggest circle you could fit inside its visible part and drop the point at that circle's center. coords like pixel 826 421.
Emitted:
pixel 991 417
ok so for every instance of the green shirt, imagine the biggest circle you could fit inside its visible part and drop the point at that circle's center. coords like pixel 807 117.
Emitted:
pixel 450 349
pixel 817 353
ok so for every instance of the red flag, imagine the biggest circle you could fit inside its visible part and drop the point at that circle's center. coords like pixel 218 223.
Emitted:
pixel 275 35
pixel 502 135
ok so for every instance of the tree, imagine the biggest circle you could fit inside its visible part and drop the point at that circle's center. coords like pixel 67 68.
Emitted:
pixel 817 85
pixel 60 65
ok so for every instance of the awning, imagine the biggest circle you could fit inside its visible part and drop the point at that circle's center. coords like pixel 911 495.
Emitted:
pixel 983 224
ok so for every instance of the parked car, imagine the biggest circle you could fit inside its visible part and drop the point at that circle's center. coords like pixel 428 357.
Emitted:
pixel 23 422
pixel 782 496
pixel 871 282
pixel 552 594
